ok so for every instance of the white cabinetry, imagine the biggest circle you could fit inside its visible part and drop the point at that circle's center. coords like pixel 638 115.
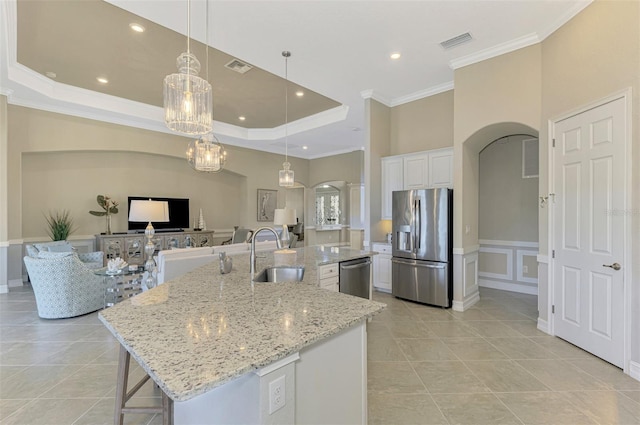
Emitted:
pixel 382 267
pixel 416 171
pixel 441 168
pixel 328 277
pixel 419 170
pixel 392 179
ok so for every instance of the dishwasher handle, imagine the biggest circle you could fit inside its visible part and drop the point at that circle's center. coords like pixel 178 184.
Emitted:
pixel 356 266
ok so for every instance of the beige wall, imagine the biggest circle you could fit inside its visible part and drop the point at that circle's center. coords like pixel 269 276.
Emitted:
pixel 44 138
pixel 379 117
pixel 4 182
pixel 423 124
pixel 71 180
pixel 493 98
pixel 347 167
pixel 507 206
pixel 580 66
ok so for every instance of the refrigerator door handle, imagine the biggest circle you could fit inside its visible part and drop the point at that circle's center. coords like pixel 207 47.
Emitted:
pixel 417 264
pixel 418 224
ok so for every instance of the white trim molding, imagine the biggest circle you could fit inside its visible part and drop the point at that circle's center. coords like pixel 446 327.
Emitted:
pixel 520 277
pixel 466 304
pixel 543 326
pixel 509 263
pixel 506 286
pixel 519 244
pixel 634 370
pixel 411 97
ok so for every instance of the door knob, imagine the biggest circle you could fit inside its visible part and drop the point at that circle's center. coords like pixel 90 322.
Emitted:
pixel 614 266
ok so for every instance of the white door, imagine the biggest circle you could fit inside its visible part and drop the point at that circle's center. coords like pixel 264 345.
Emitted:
pixel 589 229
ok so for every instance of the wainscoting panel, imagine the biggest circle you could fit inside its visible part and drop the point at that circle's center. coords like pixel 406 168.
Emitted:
pixel 498 260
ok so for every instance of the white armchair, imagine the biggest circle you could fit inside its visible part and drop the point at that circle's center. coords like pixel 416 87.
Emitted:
pixel 93 260
pixel 63 285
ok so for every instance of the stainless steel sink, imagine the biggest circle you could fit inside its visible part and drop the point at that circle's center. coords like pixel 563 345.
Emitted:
pixel 280 274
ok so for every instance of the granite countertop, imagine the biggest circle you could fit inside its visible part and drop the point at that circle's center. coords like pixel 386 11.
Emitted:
pixel 204 329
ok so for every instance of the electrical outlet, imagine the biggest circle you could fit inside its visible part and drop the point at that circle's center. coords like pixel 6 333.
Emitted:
pixel 525 269
pixel 277 394
pixel 467 229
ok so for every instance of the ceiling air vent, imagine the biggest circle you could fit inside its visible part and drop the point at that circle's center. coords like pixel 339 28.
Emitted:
pixel 238 66
pixel 456 41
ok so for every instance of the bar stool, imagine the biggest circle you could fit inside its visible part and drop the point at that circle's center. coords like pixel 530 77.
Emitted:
pixel 122 395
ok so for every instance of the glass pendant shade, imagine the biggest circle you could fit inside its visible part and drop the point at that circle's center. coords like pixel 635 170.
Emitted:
pixel 286 176
pixel 188 99
pixel 206 154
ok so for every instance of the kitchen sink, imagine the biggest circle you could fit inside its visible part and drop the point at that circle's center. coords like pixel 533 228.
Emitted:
pixel 280 274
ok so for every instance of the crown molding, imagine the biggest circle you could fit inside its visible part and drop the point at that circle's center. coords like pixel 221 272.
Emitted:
pixel 431 91
pixel 563 19
pixel 372 94
pixel 520 42
pixel 497 50
pixel 336 152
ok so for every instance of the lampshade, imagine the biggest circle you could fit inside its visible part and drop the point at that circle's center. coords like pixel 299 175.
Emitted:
pixel 206 154
pixel 149 211
pixel 284 216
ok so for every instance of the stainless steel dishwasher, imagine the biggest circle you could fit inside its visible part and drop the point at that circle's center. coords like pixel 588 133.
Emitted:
pixel 355 277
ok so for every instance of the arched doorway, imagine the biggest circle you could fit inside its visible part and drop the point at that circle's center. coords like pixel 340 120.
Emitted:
pixel 466 210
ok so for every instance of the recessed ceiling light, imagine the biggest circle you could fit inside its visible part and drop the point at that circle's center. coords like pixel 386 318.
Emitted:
pixel 242 118
pixel 395 55
pixel 305 147
pixel 299 93
pixel 102 80
pixel 50 74
pixel 136 27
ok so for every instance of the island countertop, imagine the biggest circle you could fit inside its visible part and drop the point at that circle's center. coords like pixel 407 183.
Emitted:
pixel 204 329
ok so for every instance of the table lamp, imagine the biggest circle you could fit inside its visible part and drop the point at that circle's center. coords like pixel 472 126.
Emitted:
pixel 156 211
pixel 284 217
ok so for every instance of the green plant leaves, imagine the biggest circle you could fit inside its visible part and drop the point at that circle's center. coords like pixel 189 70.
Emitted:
pixel 60 225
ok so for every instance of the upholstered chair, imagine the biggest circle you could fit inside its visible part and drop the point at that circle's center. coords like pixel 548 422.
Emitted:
pixel 93 260
pixel 63 285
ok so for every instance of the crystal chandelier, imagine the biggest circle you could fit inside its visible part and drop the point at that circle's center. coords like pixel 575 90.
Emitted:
pixel 188 100
pixel 286 178
pixel 206 154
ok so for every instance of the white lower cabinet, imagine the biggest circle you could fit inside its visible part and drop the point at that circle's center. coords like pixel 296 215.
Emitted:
pixel 329 277
pixel 382 267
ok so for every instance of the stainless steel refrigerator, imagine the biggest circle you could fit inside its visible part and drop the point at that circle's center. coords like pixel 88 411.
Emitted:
pixel 422 240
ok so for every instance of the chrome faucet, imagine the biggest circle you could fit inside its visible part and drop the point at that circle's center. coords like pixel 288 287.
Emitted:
pixel 252 257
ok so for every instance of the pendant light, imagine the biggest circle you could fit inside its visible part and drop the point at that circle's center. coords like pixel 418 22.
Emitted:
pixel 188 101
pixel 206 153
pixel 286 178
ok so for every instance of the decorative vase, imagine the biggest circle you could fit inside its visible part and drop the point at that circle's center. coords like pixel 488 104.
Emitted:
pixel 201 224
pixel 108 232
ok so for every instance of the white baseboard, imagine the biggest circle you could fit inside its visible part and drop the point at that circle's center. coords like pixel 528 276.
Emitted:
pixel 513 287
pixel 15 282
pixel 4 289
pixel 467 303
pixel 386 291
pixel 634 370
pixel 543 326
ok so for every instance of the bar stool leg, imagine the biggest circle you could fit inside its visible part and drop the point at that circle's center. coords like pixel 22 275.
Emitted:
pixel 167 410
pixel 121 387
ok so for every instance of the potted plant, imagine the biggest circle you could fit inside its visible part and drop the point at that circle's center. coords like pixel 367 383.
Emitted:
pixel 60 225
pixel 109 206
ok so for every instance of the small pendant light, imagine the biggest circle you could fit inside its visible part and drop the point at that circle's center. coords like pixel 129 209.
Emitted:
pixel 286 177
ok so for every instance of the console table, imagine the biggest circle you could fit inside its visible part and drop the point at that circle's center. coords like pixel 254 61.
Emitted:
pixel 130 247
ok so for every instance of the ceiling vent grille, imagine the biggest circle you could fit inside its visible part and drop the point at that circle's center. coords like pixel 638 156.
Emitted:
pixel 238 66
pixel 456 41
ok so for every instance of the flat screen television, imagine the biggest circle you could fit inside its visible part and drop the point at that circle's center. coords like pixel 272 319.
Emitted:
pixel 178 214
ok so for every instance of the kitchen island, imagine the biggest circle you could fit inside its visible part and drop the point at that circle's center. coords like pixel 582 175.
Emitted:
pixel 215 344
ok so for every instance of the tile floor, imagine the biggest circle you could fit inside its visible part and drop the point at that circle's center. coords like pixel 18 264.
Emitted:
pixel 488 365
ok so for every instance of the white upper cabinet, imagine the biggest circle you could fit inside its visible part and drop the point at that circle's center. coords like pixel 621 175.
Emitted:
pixel 416 171
pixel 392 179
pixel 441 168
pixel 419 170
